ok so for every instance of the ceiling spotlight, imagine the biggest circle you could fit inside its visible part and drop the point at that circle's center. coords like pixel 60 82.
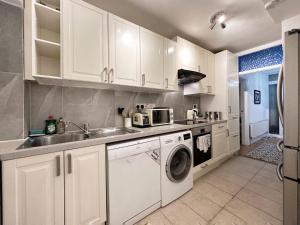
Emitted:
pixel 218 17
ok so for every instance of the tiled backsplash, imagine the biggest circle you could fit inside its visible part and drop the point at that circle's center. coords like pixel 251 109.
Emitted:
pixel 97 107
pixel 11 72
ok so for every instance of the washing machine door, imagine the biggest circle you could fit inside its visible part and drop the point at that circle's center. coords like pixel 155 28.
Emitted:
pixel 179 164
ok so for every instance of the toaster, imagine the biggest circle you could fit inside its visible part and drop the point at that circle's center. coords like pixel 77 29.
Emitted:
pixel 141 120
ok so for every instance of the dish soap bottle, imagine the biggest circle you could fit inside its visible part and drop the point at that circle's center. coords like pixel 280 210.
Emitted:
pixel 50 125
pixel 61 126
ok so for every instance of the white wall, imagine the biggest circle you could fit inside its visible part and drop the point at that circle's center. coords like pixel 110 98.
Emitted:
pixel 257 82
pixel 292 23
pixel 250 112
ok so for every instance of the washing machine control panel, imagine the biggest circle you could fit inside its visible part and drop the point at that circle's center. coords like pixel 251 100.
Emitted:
pixel 187 136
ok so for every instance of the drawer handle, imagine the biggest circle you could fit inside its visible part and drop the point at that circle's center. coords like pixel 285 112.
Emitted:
pixel 221 127
pixel 235 118
pixel 69 157
pixel 235 136
pixel 58 165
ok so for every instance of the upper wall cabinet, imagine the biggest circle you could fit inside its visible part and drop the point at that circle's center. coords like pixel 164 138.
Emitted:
pixel 42 43
pixel 170 68
pixel 85 42
pixel 124 52
pixel 152 59
pixel 73 43
pixel 193 57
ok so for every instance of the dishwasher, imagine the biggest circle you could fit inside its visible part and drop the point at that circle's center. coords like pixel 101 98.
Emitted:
pixel 133 180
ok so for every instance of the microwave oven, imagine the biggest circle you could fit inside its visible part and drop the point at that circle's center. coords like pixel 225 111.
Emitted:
pixel 160 116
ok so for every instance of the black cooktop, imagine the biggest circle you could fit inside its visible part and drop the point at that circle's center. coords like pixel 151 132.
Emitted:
pixel 190 122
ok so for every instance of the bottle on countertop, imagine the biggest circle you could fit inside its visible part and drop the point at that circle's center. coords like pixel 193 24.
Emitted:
pixel 61 126
pixel 50 127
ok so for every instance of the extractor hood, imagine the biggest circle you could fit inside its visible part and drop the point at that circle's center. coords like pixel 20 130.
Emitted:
pixel 189 76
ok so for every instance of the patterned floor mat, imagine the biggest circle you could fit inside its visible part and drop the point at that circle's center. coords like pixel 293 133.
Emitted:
pixel 267 151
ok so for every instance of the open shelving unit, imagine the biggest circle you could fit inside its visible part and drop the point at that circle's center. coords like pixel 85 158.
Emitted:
pixel 43 39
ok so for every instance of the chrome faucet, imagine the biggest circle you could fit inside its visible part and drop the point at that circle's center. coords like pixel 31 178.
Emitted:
pixel 85 127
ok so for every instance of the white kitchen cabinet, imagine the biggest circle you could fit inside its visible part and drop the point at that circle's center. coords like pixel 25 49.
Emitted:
pixel 33 190
pixel 85 186
pixel 195 58
pixel 170 69
pixel 152 59
pixel 226 98
pixel 85 42
pixel 234 142
pixel 219 140
pixel 56 189
pixel 124 52
pixel 233 86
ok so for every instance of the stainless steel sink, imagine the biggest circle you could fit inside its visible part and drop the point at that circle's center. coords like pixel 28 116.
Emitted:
pixel 74 136
pixel 108 132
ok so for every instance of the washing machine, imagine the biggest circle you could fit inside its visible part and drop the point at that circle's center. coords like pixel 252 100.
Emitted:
pixel 176 165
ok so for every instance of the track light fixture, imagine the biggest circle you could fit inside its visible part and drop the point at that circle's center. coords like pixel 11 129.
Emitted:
pixel 218 17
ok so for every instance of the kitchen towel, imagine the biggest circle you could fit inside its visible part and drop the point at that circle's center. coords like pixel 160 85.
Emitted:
pixel 203 143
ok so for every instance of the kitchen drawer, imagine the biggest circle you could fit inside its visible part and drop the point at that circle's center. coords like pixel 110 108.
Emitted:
pixel 234 124
pixel 234 142
pixel 218 128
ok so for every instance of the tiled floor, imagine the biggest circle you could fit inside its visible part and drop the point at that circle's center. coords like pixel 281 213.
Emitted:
pixel 241 191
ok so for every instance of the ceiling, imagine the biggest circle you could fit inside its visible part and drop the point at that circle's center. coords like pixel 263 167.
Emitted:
pixel 248 24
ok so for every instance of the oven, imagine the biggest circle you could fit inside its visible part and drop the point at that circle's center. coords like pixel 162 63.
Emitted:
pixel 202 151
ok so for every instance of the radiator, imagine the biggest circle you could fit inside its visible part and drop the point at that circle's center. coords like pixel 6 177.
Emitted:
pixel 259 128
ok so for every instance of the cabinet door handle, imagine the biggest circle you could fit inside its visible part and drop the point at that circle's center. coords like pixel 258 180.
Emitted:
pixel 69 158
pixel 221 126
pixel 167 83
pixel 58 165
pixel 229 109
pixel 235 136
pixel 235 118
pixel 105 74
pixel 199 69
pixel 111 73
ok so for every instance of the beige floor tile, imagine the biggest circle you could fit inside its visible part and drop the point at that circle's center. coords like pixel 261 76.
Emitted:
pixel 214 194
pixel 203 206
pixel 156 218
pixel 269 182
pixel 241 181
pixel 222 184
pixel 226 218
pixel 270 167
pixel 276 196
pixel 179 214
pixel 273 208
pixel 250 214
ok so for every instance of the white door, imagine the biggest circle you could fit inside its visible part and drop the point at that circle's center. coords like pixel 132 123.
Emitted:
pixel 219 144
pixel 85 188
pixel 33 190
pixel 124 52
pixel 170 69
pixel 85 42
pixel 152 59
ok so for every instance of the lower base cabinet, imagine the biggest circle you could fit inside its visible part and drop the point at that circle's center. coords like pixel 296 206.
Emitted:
pixel 219 140
pixel 55 189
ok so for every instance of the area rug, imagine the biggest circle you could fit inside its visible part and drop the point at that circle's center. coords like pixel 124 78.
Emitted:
pixel 267 151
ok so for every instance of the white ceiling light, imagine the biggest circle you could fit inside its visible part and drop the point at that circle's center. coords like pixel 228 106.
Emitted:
pixel 218 17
